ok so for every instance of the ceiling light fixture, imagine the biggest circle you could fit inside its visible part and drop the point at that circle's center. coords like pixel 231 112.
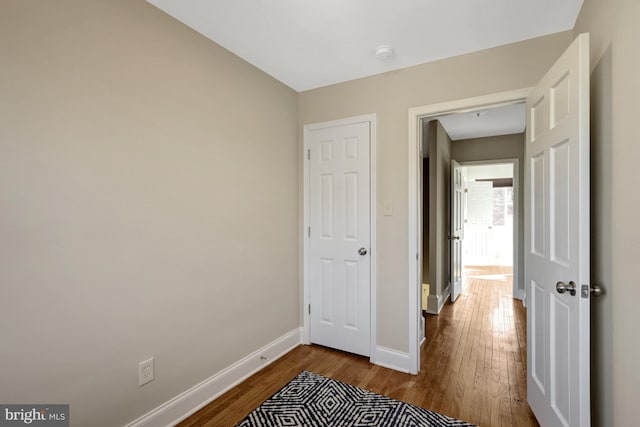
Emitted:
pixel 384 52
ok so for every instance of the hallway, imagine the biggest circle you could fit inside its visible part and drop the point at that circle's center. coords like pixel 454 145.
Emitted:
pixel 474 360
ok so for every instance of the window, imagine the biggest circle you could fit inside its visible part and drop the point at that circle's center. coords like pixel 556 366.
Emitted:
pixel 503 205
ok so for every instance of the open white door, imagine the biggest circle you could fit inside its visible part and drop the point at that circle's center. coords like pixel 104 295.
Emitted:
pixel 557 241
pixel 339 237
pixel 457 228
pixel 478 228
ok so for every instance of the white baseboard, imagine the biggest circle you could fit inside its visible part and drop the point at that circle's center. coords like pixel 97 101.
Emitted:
pixel 392 359
pixel 432 304
pixel 436 302
pixel 180 407
pixel 444 297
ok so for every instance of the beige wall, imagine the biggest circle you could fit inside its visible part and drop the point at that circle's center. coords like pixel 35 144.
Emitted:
pixel 495 148
pixel 390 96
pixel 133 209
pixel 148 187
pixel 439 188
pixel 615 240
pixel 489 148
pixel 425 221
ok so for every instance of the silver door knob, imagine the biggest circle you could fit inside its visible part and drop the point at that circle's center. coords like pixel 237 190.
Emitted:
pixel 562 287
pixel 453 237
pixel 362 251
pixel 596 290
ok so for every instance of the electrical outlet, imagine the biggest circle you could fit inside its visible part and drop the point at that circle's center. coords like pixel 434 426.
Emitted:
pixel 145 372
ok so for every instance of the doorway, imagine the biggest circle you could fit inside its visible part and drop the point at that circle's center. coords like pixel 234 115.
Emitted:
pixel 417 118
pixel 556 237
pixel 492 220
pixel 467 160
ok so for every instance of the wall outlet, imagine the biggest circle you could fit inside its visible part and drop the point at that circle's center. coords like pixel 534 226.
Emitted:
pixel 145 372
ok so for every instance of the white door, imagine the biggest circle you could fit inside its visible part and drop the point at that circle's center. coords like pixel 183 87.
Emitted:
pixel 557 241
pixel 457 228
pixel 478 242
pixel 339 237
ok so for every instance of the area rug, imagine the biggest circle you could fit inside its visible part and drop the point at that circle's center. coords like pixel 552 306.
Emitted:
pixel 313 400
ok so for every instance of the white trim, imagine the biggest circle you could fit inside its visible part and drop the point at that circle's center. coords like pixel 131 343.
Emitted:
pixel 436 302
pixel 442 299
pixel 518 288
pixel 433 304
pixel 180 407
pixel 373 202
pixel 415 114
pixel 371 119
pixel 392 359
pixel 517 292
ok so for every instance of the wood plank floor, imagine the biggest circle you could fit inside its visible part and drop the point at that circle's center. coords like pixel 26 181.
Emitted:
pixel 473 364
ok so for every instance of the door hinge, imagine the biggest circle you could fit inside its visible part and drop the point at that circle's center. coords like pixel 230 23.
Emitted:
pixel 466 190
pixel 309 154
pixel 309 308
pixel 308 231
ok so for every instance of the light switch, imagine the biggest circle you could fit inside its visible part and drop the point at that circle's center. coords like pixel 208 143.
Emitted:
pixel 388 207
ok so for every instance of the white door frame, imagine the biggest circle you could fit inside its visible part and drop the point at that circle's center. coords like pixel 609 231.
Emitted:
pixel 416 114
pixel 517 293
pixel 371 119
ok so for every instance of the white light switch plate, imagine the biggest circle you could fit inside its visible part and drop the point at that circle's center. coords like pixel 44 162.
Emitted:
pixel 388 207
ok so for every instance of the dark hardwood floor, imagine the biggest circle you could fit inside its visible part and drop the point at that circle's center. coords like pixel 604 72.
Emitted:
pixel 473 364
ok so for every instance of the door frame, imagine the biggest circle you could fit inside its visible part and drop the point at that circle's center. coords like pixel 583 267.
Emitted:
pixel 371 119
pixel 416 114
pixel 516 293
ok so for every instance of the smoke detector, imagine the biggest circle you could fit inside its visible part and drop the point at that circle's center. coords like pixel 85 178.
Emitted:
pixel 384 52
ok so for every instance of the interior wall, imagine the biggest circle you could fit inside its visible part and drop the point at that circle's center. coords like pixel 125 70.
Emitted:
pixel 390 95
pixel 425 221
pixel 439 218
pixel 497 148
pixel 615 207
pixel 148 183
pixel 489 171
pixel 121 238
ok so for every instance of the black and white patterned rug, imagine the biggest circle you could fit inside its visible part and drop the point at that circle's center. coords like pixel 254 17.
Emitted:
pixel 313 400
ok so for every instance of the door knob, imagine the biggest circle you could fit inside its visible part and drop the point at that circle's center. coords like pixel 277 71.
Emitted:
pixel 562 287
pixel 362 251
pixel 596 290
pixel 453 237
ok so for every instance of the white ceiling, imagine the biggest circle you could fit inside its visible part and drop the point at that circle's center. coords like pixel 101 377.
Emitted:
pixel 504 120
pixel 313 43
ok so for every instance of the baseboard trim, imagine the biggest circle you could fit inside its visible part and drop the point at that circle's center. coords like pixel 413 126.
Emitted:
pixel 444 298
pixel 432 304
pixel 392 359
pixel 436 302
pixel 180 407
